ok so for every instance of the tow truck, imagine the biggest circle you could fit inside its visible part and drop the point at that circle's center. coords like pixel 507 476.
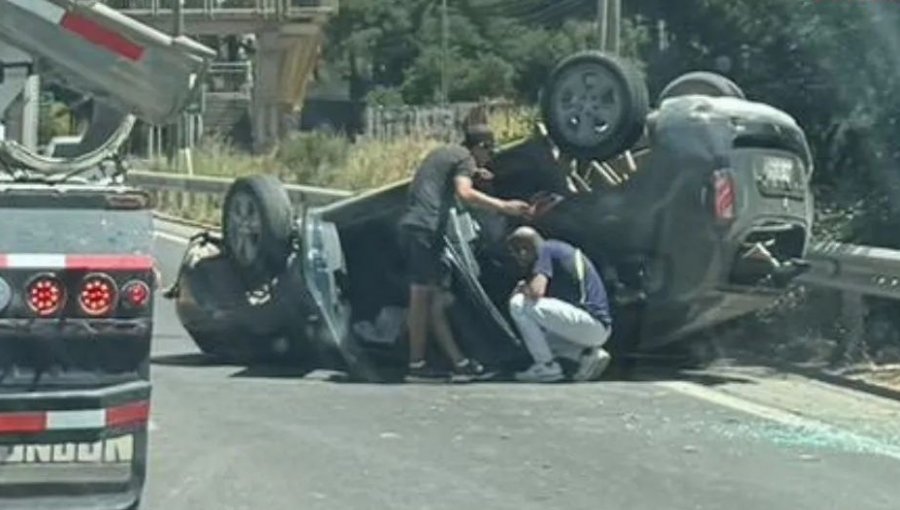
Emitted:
pixel 77 277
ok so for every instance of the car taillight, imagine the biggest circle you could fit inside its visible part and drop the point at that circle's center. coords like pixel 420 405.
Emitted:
pixel 136 294
pixel 46 295
pixel 723 195
pixel 98 294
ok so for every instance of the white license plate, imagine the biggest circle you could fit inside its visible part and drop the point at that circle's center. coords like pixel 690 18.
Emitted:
pixel 778 172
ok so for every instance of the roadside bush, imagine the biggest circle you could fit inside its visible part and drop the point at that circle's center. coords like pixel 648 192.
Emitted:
pixel 330 160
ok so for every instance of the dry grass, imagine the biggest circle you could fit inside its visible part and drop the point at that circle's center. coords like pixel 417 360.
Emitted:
pixel 319 159
pixel 330 161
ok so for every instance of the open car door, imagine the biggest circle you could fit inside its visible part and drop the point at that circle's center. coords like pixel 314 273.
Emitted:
pixel 479 326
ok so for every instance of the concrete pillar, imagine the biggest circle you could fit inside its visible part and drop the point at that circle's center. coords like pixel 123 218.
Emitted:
pixel 284 62
pixel 266 108
pixel 31 112
pixel 15 75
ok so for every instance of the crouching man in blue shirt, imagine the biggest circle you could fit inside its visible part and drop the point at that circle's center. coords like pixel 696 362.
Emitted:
pixel 561 311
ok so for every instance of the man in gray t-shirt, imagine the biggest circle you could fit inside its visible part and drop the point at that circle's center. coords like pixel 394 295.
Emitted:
pixel 446 173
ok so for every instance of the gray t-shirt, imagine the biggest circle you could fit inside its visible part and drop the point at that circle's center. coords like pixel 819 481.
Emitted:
pixel 432 192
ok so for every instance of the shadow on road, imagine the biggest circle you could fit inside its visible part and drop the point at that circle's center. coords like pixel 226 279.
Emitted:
pixel 193 359
pixel 272 372
pixel 636 371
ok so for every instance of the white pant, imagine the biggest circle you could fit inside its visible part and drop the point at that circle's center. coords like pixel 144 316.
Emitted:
pixel 552 328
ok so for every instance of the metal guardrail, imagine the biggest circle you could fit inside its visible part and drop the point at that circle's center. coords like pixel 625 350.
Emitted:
pixel 864 270
pixel 200 198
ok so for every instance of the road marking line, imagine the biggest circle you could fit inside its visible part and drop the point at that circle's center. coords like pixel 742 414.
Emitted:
pixel 780 416
pixel 171 238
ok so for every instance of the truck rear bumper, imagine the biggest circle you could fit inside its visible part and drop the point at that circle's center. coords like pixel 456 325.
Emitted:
pixel 78 449
pixel 120 501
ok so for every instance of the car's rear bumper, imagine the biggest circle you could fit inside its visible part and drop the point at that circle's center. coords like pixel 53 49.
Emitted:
pixel 74 449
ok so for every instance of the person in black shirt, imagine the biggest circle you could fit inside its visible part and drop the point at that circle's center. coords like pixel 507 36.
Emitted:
pixel 445 174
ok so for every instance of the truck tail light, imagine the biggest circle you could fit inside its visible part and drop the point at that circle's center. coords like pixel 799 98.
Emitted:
pixel 724 193
pixel 98 294
pixel 136 294
pixel 45 295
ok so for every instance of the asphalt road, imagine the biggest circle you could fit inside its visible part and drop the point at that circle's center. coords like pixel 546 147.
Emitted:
pixel 226 437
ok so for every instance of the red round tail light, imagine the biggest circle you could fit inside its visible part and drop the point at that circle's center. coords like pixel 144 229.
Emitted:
pixel 98 295
pixel 136 294
pixel 45 295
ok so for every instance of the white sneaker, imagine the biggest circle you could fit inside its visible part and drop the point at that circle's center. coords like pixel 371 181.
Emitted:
pixel 592 365
pixel 542 372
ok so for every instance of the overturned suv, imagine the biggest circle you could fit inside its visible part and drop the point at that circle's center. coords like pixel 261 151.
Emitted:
pixel 696 213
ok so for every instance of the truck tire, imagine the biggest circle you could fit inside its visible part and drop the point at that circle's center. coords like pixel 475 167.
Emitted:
pixel 257 225
pixel 702 83
pixel 594 106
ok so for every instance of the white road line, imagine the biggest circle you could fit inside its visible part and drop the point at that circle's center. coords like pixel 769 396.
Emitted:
pixel 780 416
pixel 171 238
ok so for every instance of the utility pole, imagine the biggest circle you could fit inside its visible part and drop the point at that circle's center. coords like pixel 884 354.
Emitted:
pixel 615 26
pixel 609 16
pixel 444 34
pixel 182 155
pixel 602 21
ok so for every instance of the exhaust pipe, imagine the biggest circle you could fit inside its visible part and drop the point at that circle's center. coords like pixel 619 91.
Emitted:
pixel 781 273
pixel 758 251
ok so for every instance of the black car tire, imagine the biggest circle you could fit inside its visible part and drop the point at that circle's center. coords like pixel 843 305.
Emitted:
pixel 703 83
pixel 208 344
pixel 257 225
pixel 622 131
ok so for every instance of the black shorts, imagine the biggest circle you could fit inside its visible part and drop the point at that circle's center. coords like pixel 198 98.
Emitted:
pixel 423 251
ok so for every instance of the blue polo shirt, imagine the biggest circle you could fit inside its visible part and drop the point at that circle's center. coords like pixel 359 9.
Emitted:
pixel 556 261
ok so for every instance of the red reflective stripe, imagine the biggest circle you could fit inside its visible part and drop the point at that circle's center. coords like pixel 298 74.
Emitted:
pixel 12 423
pixel 4 261
pixel 101 36
pixel 109 262
pixel 128 414
pixel 724 197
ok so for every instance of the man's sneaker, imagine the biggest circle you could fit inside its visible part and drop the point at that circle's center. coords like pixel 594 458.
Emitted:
pixel 422 373
pixel 542 373
pixel 470 370
pixel 592 365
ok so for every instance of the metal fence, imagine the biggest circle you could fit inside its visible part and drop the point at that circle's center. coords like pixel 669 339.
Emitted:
pixel 212 8
pixel 443 123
